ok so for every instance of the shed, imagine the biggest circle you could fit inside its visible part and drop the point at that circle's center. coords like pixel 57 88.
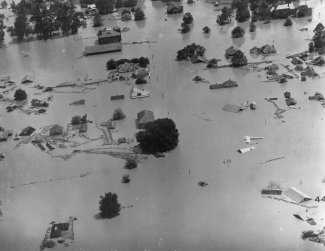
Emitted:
pixel 117 97
pixel 144 117
pixel 27 79
pixel 267 49
pixel 56 130
pixel 296 195
pixel 27 131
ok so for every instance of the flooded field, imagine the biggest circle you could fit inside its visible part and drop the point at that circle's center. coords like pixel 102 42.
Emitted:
pixel 165 207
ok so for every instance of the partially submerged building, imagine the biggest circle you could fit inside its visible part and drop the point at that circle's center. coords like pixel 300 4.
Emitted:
pixel 296 195
pixel 109 40
pixel 27 79
pixel 27 131
pixel 231 51
pixel 144 117
pixel 56 130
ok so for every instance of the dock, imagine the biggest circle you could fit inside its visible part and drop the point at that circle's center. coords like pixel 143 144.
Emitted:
pixel 102 48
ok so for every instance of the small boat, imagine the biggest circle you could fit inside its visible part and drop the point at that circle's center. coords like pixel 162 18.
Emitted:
pixel 137 93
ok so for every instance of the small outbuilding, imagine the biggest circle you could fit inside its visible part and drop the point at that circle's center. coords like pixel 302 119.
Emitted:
pixel 27 79
pixel 230 51
pixel 296 195
pixel 27 131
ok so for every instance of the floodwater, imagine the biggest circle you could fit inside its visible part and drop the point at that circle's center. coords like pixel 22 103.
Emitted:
pixel 171 212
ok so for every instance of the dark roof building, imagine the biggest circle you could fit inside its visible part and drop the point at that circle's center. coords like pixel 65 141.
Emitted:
pixel 144 117
pixel 109 35
pixel 27 131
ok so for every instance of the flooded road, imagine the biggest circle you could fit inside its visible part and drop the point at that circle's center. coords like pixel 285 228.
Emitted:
pixel 171 212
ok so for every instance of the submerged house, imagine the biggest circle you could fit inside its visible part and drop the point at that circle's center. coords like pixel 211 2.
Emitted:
pixel 296 195
pixel 174 8
pixel 27 131
pixel 27 79
pixel 56 130
pixel 227 84
pixel 144 117
pixel 230 51
pixel 109 40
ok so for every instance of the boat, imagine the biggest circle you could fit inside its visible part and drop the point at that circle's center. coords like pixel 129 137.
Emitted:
pixel 137 93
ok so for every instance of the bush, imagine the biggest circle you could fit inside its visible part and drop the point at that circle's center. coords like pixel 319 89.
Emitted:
pixel 76 120
pixel 238 59
pixel 212 63
pixel 160 135
pixel 20 95
pixel 109 206
pixel 97 21
pixel 111 64
pixel 130 164
pixel 138 15
pixel 237 32
pixel 118 114
pixel 188 18
pixel 185 28
pixel 126 178
pixel 140 81
pixel 287 22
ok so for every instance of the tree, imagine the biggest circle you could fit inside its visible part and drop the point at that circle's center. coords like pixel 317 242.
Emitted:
pixel 105 6
pixel 237 32
pixel 188 18
pixel 20 26
pixel 311 47
pixel 160 135
pixel 111 64
pixel 109 206
pixel 44 22
pixel 4 4
pixel 76 120
pixel 185 28
pixel 130 164
pixel 138 15
pixel 143 62
pixel 206 29
pixel 252 27
pixel 118 4
pixel 118 114
pixel 126 178
pixel 225 16
pixel 238 59
pixel 190 51
pixel 287 22
pixel 97 21
pixel 20 95
pixel 2 33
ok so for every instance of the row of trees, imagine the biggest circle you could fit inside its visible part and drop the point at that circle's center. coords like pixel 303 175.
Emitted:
pixel 318 39
pixel 61 16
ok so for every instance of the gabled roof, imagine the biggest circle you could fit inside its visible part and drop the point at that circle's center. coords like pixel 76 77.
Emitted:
pixel 296 195
pixel 145 116
pixel 109 32
pixel 27 79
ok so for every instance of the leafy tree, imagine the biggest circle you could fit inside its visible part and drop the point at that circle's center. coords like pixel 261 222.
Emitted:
pixel 188 18
pixel 206 29
pixel 109 206
pixel 4 4
pixel 97 21
pixel 131 3
pixel 118 114
pixel 160 135
pixel 76 120
pixel 20 26
pixel 252 27
pixel 130 164
pixel 20 95
pixel 126 178
pixel 111 64
pixel 105 6
pixel 44 22
pixel 225 16
pixel 185 28
pixel 242 15
pixel 238 59
pixel 143 62
pixel 119 4
pixel 311 47
pixel 2 33
pixel 138 15
pixel 140 81
pixel 190 51
pixel 237 32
